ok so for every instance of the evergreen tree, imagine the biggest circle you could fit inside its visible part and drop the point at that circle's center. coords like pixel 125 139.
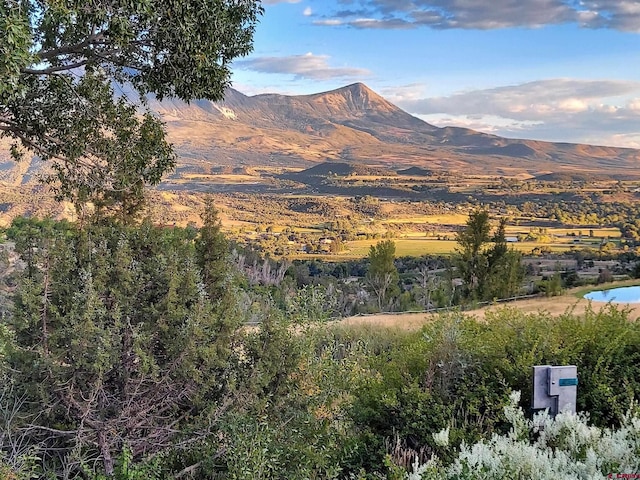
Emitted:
pixel 119 345
pixel 487 266
pixel 382 276
pixel 505 268
pixel 212 252
pixel 471 259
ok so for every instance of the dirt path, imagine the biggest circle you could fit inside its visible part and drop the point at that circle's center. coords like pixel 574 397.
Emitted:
pixel 554 306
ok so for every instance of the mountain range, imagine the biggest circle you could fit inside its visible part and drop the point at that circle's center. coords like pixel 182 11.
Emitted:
pixel 351 125
pixel 355 124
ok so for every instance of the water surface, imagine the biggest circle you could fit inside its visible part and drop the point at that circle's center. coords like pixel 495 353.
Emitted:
pixel 616 295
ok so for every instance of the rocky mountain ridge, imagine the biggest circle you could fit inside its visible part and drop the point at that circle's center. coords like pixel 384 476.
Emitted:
pixel 354 123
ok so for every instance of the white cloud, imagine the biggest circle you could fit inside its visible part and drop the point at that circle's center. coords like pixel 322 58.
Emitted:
pixel 484 15
pixel 484 123
pixel 590 111
pixel 251 89
pixel 331 22
pixel 628 140
pixel 404 93
pixel 573 105
pixel 307 66
pixel 634 105
pixel 307 12
pixel 393 23
pixel 527 100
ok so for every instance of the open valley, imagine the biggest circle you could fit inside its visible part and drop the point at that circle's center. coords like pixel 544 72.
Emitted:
pixel 223 256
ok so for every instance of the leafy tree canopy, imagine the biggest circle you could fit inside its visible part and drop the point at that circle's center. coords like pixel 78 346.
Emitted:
pixel 382 276
pixel 60 61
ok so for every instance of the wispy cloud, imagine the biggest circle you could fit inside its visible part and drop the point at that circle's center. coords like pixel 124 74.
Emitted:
pixel 529 101
pixel 308 66
pixel 590 111
pixel 404 93
pixel 274 2
pixel 485 15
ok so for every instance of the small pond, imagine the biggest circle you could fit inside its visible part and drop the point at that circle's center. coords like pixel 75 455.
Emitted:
pixel 616 295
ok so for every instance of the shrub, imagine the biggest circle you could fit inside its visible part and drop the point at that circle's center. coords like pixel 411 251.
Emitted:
pixel 457 372
pixel 543 449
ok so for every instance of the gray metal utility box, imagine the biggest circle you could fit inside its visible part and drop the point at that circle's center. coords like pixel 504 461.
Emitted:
pixel 555 388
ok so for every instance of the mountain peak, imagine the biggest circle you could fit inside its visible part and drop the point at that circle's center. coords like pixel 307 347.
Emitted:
pixel 356 90
pixel 353 98
pixel 354 123
pixel 359 88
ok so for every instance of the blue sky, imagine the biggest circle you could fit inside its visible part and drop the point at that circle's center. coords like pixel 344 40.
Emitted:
pixel 557 70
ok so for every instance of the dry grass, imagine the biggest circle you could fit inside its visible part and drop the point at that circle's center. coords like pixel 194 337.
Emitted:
pixel 405 321
pixel 567 303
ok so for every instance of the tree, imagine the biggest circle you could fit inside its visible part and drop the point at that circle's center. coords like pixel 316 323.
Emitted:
pixel 506 272
pixel 337 245
pixel 488 267
pixel 60 63
pixel 118 344
pixel 471 260
pixel 428 283
pixel 382 276
pixel 505 276
pixel 212 250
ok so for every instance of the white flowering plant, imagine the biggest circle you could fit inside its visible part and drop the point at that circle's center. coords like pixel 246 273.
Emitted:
pixel 543 448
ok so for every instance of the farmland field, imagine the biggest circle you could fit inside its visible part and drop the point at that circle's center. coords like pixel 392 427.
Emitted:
pixel 404 247
pixel 299 216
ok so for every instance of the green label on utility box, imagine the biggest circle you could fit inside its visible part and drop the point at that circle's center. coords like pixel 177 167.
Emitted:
pixel 568 382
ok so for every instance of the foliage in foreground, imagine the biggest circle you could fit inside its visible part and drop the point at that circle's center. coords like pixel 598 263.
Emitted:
pixel 543 448
pixel 126 350
pixel 458 373
pixel 122 338
pixel 115 326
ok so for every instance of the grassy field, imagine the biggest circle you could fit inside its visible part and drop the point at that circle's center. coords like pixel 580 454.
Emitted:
pixel 528 247
pixel 571 301
pixel 404 247
pixel 444 219
pixel 429 246
pixel 584 232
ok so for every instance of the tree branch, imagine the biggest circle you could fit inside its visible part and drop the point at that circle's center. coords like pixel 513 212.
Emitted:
pixel 55 431
pixel 51 70
pixel 188 470
pixel 93 39
pixel 38 149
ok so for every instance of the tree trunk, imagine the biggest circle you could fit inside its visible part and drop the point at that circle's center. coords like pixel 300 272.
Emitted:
pixel 107 460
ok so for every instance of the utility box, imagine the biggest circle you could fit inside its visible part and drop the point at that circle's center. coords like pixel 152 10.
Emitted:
pixel 555 388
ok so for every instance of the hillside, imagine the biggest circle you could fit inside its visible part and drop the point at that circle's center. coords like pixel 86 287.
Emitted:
pixel 354 124
pixel 350 125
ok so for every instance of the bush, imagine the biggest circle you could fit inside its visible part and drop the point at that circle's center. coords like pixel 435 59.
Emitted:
pixel 542 449
pixel 457 372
